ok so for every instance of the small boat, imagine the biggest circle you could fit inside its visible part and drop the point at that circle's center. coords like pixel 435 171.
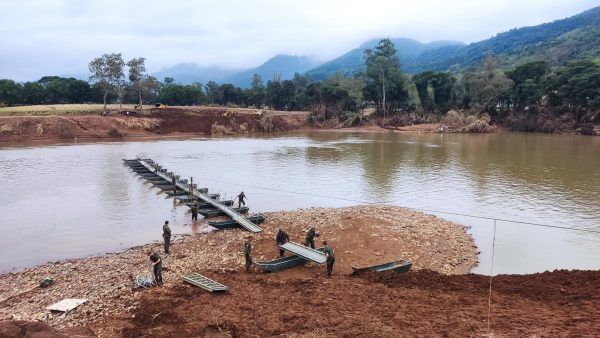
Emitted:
pixel 399 266
pixel 282 263
pixel 212 212
pixel 230 224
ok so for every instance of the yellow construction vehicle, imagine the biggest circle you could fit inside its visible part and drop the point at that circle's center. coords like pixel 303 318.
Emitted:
pixel 160 106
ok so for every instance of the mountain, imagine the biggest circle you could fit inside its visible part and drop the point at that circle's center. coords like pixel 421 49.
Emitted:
pixel 352 62
pixel 187 73
pixel 284 65
pixel 556 42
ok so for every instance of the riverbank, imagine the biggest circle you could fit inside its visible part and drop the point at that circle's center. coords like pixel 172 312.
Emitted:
pixel 130 124
pixel 435 298
pixel 68 122
pixel 361 236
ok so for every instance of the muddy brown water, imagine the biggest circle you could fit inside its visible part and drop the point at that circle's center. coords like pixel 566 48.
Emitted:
pixel 77 199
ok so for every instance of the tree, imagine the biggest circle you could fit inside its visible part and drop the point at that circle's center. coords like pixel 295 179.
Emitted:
pixel 107 71
pixel 526 80
pixel 212 91
pixel 10 92
pixel 256 92
pixel 577 83
pixel 385 83
pixel 33 93
pixel 487 88
pixel 181 95
pixel 137 70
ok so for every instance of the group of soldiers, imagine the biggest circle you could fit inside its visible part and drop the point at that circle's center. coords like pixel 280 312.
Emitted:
pixel 155 258
pixel 282 237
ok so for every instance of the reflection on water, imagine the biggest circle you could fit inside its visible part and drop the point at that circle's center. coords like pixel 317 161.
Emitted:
pixel 76 200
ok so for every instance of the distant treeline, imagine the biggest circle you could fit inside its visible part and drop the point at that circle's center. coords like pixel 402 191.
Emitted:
pixel 524 92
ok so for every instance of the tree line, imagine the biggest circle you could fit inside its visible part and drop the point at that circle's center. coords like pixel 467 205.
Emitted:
pixel 526 89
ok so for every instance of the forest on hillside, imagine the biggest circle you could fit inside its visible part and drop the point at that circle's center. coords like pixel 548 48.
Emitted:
pixel 529 97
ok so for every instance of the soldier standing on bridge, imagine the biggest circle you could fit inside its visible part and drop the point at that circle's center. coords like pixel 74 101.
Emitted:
pixel 156 268
pixel 281 239
pixel 194 211
pixel 167 236
pixel 310 238
pixel 174 181
pixel 240 199
pixel 330 254
pixel 248 252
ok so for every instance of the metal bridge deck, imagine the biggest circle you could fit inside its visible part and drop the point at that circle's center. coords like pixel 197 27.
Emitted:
pixel 305 252
pixel 234 215
pixel 203 282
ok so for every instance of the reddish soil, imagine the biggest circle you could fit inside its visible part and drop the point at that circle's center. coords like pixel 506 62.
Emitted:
pixel 423 303
pixel 19 328
pixel 153 122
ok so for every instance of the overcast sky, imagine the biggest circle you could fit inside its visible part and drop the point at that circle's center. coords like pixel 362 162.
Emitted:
pixel 47 37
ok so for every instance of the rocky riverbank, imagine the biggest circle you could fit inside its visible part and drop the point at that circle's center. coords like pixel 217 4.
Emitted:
pixel 361 235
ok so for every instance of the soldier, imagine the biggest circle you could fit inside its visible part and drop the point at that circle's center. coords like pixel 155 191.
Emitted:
pixel 310 238
pixel 174 181
pixel 240 199
pixel 330 254
pixel 248 252
pixel 167 236
pixel 195 211
pixel 157 268
pixel 281 239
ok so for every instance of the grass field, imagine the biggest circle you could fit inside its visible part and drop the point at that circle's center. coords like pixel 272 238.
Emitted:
pixel 60 109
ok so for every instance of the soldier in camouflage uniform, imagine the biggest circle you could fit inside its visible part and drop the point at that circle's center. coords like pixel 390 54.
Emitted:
pixel 248 253
pixel 167 236
pixel 157 268
pixel 195 211
pixel 281 239
pixel 330 254
pixel 310 238
pixel 241 199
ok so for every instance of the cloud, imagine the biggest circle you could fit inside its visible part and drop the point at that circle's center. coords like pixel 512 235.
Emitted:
pixel 60 37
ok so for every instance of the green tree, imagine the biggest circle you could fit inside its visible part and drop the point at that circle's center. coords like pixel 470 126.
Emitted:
pixel 577 83
pixel 107 71
pixel 10 92
pixel 137 74
pixel 212 91
pixel 256 92
pixel 526 80
pixel 385 83
pixel 33 93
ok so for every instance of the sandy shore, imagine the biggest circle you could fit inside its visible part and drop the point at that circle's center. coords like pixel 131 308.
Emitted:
pixel 361 236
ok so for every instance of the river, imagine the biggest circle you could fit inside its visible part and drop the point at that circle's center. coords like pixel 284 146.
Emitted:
pixel 78 199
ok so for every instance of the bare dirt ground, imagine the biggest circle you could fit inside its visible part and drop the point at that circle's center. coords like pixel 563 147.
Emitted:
pixel 435 299
pixel 360 235
pixel 150 123
pixel 424 303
